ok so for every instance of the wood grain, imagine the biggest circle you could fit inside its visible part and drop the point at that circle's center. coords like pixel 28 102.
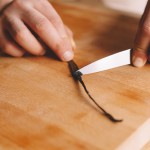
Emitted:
pixel 42 107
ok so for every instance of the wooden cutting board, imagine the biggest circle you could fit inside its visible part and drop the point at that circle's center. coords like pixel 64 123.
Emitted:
pixel 42 107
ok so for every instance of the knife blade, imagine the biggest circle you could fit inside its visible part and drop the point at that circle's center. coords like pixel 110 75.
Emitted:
pixel 109 62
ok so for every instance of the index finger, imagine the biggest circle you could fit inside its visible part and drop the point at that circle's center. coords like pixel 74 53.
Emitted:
pixel 48 33
pixel 47 10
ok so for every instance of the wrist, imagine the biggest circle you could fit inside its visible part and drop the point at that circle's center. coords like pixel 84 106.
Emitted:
pixel 4 3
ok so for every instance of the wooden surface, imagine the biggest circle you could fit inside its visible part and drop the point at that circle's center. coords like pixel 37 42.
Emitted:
pixel 127 6
pixel 42 107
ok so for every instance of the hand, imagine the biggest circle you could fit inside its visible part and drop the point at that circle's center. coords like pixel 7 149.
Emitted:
pixel 141 45
pixel 24 22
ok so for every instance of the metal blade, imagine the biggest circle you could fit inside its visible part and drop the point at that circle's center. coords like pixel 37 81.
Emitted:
pixel 112 61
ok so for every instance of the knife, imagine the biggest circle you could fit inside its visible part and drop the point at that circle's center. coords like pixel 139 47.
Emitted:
pixel 109 62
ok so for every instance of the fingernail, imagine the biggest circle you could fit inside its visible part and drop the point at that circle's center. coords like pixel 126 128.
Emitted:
pixel 68 55
pixel 138 62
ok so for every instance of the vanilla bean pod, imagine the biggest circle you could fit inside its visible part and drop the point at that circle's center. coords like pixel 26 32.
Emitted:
pixel 77 76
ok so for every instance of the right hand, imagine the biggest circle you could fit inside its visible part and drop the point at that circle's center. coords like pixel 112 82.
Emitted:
pixel 23 22
pixel 141 50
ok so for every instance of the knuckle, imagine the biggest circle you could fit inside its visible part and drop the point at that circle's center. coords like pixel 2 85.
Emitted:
pixel 56 20
pixel 6 9
pixel 14 29
pixel 18 3
pixel 59 46
pixel 19 35
pixel 8 20
pixel 41 24
pixel 6 16
pixel 10 23
pixel 146 28
pixel 139 49
pixel 21 5
pixel 40 1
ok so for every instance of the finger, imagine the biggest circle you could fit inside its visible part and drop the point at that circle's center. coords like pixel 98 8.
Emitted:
pixel 145 12
pixel 22 35
pixel 12 49
pixel 68 32
pixel 48 33
pixel 140 51
pixel 8 46
pixel 141 44
pixel 70 35
pixel 50 13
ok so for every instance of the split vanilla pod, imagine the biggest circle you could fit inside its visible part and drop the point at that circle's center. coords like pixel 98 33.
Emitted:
pixel 78 77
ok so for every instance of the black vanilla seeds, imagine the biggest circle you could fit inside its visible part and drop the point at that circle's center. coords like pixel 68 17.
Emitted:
pixel 77 76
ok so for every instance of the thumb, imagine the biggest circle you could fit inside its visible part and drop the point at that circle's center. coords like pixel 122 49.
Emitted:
pixel 141 43
pixel 140 49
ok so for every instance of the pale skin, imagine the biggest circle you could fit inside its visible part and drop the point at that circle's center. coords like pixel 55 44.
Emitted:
pixel 24 22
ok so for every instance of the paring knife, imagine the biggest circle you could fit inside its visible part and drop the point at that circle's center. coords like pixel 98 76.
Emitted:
pixel 109 62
